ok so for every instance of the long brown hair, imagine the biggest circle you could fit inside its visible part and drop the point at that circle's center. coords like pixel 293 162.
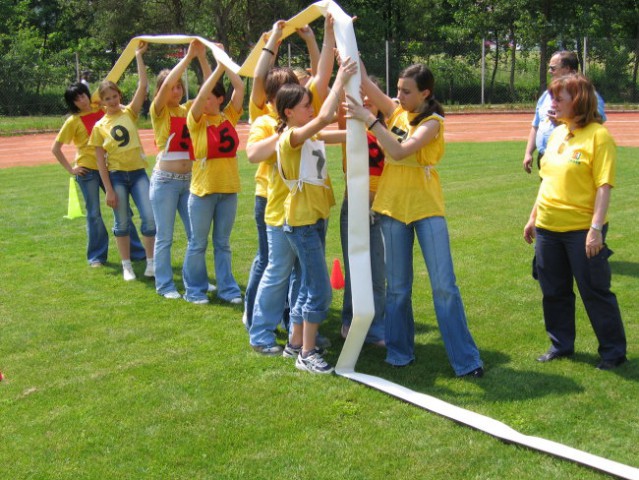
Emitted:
pixel 584 98
pixel 288 96
pixel 425 80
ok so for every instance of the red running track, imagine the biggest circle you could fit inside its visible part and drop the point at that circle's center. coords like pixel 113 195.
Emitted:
pixel 27 150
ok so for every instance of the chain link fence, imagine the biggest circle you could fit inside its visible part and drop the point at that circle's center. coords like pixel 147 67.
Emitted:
pixel 467 73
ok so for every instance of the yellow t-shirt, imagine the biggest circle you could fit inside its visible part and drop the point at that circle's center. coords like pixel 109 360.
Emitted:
pixel 162 123
pixel 214 174
pixel 118 135
pixel 571 170
pixel 409 189
pixel 317 99
pixel 310 203
pixel 255 111
pixel 76 131
pixel 262 128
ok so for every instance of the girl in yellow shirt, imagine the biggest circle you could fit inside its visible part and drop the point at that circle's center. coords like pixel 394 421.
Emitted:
pixel 122 164
pixel 215 184
pixel 302 165
pixel 410 201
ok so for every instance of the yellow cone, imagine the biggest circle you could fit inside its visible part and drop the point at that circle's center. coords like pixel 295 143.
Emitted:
pixel 75 211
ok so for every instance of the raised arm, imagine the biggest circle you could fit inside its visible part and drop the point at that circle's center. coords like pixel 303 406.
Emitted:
pixel 327 112
pixel 204 63
pixel 143 82
pixel 326 60
pixel 164 93
pixel 306 34
pixel 383 102
pixel 197 109
pixel 265 63
pixel 237 98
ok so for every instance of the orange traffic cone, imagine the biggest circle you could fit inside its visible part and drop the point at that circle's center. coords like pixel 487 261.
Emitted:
pixel 337 278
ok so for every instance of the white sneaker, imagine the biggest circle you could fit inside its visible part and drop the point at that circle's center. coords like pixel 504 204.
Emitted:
pixel 236 300
pixel 313 363
pixel 128 273
pixel 150 269
pixel 201 301
pixel 211 288
pixel 172 295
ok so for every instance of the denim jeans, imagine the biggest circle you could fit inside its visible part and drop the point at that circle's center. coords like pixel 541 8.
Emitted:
pixel 432 235
pixel 97 237
pixel 561 256
pixel 136 184
pixel 169 196
pixel 270 298
pixel 259 262
pixel 314 297
pixel 218 209
pixel 376 330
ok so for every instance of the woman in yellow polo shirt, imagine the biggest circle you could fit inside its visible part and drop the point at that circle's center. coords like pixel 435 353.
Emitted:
pixel 215 184
pixel 569 221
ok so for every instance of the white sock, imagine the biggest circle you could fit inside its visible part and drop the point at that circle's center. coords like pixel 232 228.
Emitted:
pixel 126 263
pixel 149 261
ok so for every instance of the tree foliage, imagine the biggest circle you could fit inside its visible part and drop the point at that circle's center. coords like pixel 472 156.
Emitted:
pixel 45 42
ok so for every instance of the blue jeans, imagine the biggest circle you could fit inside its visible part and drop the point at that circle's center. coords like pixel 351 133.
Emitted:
pixel 432 235
pixel 270 298
pixel 218 209
pixel 561 256
pixel 260 261
pixel 314 297
pixel 97 237
pixel 136 184
pixel 376 330
pixel 169 196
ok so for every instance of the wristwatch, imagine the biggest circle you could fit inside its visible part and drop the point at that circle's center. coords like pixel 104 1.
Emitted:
pixel 596 226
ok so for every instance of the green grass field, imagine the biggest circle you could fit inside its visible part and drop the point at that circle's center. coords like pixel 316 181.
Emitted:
pixel 105 379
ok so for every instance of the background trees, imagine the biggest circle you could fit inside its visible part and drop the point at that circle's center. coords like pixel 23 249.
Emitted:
pixel 45 43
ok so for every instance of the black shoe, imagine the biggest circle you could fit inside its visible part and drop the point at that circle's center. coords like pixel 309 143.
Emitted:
pixel 610 364
pixel 477 373
pixel 551 355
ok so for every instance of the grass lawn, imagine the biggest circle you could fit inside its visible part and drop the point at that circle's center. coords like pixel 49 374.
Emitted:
pixel 105 379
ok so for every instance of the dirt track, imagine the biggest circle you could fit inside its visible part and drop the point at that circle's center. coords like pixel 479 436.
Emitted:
pixel 27 150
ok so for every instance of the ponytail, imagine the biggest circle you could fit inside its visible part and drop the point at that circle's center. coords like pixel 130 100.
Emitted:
pixel 425 80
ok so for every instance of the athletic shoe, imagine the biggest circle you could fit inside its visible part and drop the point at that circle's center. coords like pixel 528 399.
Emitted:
pixel 128 273
pixel 292 352
pixel 211 288
pixel 235 301
pixel 313 363
pixel 172 295
pixel 201 301
pixel 150 269
pixel 269 350
pixel 96 264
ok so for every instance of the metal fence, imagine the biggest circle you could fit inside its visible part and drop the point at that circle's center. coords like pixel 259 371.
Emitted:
pixel 466 73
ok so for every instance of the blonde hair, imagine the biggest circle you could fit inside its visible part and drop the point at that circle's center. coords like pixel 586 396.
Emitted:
pixel 109 85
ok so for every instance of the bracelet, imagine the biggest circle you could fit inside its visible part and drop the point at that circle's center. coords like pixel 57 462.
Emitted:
pixel 596 227
pixel 268 50
pixel 370 127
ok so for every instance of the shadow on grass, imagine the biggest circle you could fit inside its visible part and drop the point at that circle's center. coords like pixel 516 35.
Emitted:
pixel 630 269
pixel 500 383
pixel 627 371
